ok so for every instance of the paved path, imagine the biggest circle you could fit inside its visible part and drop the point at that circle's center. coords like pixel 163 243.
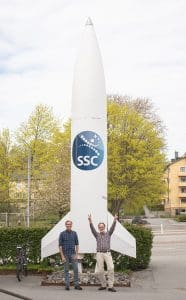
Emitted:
pixel 167 271
pixel 165 279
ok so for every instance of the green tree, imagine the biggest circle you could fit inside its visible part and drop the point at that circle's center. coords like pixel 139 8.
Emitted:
pixel 136 159
pixel 34 138
pixel 6 169
pixel 135 156
pixel 57 184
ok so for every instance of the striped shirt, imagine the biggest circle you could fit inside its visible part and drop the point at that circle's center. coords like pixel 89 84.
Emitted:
pixel 103 239
pixel 68 240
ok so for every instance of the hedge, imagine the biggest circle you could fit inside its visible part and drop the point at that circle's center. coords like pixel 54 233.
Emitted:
pixel 31 238
pixel 26 237
pixel 144 239
pixel 181 218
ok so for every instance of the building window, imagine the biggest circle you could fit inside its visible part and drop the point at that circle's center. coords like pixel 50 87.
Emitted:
pixel 183 189
pixel 183 179
pixel 182 169
pixel 183 200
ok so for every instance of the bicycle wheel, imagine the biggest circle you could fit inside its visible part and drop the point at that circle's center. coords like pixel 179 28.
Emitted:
pixel 19 271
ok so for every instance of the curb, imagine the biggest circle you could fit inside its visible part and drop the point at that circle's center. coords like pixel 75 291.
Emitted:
pixel 14 295
pixel 43 283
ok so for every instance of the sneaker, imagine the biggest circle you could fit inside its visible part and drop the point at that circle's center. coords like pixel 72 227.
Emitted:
pixel 101 288
pixel 67 288
pixel 78 287
pixel 111 289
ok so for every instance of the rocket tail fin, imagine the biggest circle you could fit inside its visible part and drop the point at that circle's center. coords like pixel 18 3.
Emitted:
pixel 49 243
pixel 122 241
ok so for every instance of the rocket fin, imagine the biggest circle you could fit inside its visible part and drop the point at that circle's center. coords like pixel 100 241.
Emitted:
pixel 122 241
pixel 49 243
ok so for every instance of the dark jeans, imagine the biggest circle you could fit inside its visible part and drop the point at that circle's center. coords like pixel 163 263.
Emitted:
pixel 74 263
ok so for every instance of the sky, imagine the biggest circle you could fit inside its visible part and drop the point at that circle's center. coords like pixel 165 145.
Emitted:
pixel 143 47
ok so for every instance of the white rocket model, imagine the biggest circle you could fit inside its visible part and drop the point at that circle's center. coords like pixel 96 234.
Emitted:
pixel 89 156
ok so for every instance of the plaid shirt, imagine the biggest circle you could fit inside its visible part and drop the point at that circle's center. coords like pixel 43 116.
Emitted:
pixel 68 240
pixel 103 239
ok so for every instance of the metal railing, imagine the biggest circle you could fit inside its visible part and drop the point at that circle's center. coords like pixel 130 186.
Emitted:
pixel 12 219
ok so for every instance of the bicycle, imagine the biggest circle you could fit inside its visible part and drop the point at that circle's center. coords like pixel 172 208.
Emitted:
pixel 21 263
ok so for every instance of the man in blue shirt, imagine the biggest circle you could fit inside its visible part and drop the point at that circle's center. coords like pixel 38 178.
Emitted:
pixel 69 246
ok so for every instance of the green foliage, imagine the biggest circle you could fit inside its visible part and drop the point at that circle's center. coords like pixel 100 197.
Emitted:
pixel 57 182
pixel 7 166
pixel 135 160
pixel 40 126
pixel 35 137
pixel 135 157
pixel 4 164
pixel 31 267
pixel 158 207
pixel 89 261
pixel 144 240
pixel 181 218
pixel 27 237
pixel 49 148
pixel 31 238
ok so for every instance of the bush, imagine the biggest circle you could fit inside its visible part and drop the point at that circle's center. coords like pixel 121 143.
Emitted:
pixel 181 218
pixel 31 238
pixel 27 237
pixel 144 240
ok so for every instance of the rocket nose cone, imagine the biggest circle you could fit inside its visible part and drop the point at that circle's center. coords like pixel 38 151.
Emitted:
pixel 89 22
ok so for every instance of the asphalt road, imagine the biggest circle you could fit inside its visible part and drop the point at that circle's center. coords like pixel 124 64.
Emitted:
pixel 164 279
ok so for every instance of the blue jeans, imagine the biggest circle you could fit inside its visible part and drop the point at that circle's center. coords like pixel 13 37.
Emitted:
pixel 74 263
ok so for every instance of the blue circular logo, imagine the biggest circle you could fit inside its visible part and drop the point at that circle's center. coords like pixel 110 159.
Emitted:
pixel 88 150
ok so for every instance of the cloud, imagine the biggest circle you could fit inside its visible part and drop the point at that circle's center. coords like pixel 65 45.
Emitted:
pixel 142 43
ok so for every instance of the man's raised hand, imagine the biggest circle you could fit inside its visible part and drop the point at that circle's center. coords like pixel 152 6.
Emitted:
pixel 90 218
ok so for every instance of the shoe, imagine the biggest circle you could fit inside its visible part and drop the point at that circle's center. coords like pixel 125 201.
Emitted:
pixel 78 287
pixel 111 289
pixel 101 288
pixel 67 288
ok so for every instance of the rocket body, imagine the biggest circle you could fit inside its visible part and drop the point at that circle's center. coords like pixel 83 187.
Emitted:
pixel 88 140
pixel 89 155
